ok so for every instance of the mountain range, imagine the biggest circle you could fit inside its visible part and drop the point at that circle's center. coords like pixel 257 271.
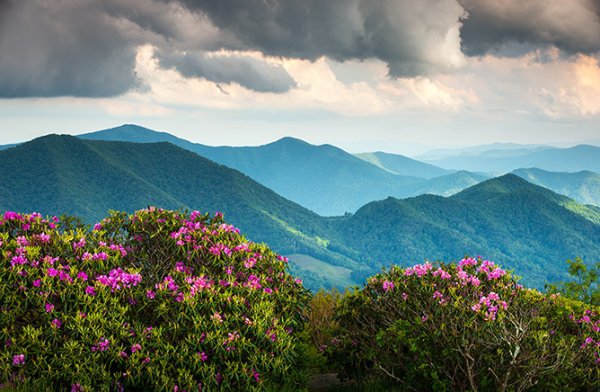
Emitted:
pixel 498 161
pixel 325 179
pixel 520 225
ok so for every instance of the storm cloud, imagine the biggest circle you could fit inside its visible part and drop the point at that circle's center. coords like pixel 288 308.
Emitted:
pixel 412 37
pixel 62 49
pixel 247 71
pixel 573 25
pixel 88 48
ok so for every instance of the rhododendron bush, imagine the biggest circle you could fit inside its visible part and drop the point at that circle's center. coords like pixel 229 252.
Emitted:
pixel 466 326
pixel 159 300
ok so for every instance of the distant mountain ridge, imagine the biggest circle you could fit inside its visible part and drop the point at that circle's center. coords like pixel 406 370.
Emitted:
pixel 325 179
pixel 399 164
pixel 518 224
pixel 572 159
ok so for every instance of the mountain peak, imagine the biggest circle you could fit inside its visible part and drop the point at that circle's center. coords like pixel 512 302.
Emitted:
pixel 508 183
pixel 131 133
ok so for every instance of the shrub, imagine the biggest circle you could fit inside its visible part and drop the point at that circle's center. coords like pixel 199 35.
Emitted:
pixel 468 326
pixel 159 300
pixel 584 286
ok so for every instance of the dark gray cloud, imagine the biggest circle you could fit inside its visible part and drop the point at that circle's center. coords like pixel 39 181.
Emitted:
pixel 492 26
pixel 88 47
pixel 47 49
pixel 247 71
pixel 412 37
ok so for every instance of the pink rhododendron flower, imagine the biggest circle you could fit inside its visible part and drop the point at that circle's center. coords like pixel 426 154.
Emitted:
pixel 118 279
pixel 103 344
pixel 51 272
pixel 387 286
pixel 18 359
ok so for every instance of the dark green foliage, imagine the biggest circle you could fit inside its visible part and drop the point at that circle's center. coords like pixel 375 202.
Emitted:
pixel 468 326
pixel 584 284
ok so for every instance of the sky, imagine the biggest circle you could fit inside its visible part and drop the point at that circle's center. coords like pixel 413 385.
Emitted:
pixel 401 76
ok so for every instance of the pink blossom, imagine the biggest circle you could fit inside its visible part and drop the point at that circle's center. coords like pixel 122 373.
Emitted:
pixel 18 260
pixel 103 344
pixel 76 387
pixel 62 275
pixel 250 262
pixel 118 279
pixel 82 275
pixel 467 261
pixel 253 282
pixel 90 290
pixel 49 308
pixel 99 256
pixel 203 356
pixel 136 347
pixel 37 283
pixel 18 359
pixel 79 244
pixel 56 323
pixel 52 272
pixel 387 286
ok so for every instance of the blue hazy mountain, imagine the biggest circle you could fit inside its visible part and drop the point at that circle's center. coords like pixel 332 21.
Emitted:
pixel 399 164
pixel 572 159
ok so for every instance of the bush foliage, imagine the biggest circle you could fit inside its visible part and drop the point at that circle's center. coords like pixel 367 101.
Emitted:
pixel 466 326
pixel 163 300
pixel 158 300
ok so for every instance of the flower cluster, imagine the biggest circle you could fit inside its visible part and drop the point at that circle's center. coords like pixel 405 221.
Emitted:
pixel 118 279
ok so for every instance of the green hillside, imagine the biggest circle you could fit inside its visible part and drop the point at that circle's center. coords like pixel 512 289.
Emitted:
pixel 520 225
pixel 583 186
